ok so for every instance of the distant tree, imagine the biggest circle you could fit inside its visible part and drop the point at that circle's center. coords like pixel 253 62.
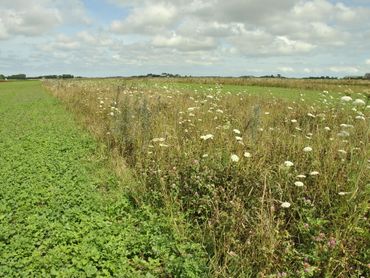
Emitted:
pixel 353 77
pixel 50 76
pixel 17 76
pixel 2 77
pixel 367 76
pixel 65 76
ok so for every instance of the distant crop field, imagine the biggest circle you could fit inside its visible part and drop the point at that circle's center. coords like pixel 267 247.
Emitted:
pixel 272 176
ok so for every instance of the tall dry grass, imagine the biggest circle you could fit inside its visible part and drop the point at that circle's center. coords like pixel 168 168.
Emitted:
pixel 221 161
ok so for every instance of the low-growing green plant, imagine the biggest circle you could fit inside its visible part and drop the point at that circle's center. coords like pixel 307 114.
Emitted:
pixel 64 212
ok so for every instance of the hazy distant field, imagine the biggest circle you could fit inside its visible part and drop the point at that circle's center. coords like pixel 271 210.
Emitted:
pixel 273 180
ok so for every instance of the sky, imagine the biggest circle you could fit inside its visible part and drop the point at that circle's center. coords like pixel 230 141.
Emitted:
pixel 293 38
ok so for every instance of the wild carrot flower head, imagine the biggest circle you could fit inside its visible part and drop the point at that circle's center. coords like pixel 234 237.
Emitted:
pixel 298 184
pixel 207 136
pixel 288 163
pixel 234 158
pixel 346 98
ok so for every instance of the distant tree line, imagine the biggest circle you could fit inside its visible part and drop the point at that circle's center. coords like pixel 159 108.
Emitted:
pixel 280 76
pixel 366 76
pixel 22 76
pixel 14 76
pixel 321 77
pixel 165 74
pixel 53 76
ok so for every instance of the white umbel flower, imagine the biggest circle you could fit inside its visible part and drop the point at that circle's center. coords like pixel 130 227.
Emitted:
pixel 158 139
pixel 234 158
pixel 346 98
pixel 288 163
pixel 298 184
pixel 311 115
pixel 359 102
pixel 207 136
pixel 362 118
pixel 285 205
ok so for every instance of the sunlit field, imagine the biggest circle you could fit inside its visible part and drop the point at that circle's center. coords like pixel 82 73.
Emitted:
pixel 272 177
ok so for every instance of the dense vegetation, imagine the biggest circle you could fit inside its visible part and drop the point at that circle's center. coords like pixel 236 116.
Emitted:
pixel 23 76
pixel 64 213
pixel 274 181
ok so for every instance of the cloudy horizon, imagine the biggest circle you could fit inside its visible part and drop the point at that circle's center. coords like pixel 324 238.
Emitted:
pixel 293 38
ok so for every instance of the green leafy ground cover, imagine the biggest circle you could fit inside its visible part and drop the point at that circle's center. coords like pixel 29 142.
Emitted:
pixel 63 213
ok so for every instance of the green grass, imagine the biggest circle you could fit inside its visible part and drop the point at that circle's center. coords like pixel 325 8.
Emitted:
pixel 63 213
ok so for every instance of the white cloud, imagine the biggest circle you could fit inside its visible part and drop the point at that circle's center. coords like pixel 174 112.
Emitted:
pixel 288 46
pixel 367 62
pixel 196 27
pixel 184 43
pixel 315 10
pixel 61 46
pixel 146 19
pixel 285 69
pixel 258 42
pixel 97 39
pixel 32 22
pixel 344 69
pixel 203 61
pixel 34 18
pixel 286 27
pixel 3 30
